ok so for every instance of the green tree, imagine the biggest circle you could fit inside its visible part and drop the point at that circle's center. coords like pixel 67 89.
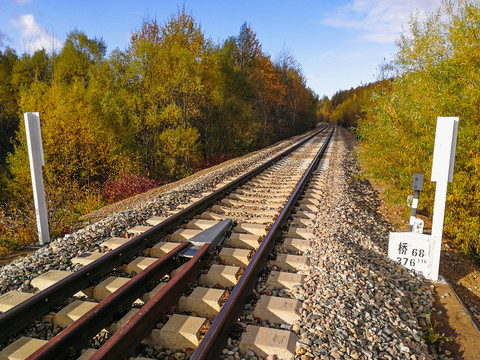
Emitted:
pixel 77 57
pixel 9 113
pixel 79 153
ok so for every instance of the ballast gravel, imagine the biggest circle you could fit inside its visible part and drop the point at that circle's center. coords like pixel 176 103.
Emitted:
pixel 357 303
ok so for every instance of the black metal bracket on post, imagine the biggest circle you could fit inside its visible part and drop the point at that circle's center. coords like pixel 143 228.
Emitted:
pixel 417 186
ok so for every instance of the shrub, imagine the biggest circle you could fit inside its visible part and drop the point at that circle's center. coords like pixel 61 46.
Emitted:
pixel 126 186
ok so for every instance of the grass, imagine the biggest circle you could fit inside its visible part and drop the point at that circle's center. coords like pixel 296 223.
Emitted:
pixel 431 336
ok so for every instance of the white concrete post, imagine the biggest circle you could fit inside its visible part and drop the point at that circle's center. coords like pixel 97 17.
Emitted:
pixel 35 156
pixel 442 174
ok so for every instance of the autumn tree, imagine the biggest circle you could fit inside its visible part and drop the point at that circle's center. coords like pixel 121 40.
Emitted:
pixel 78 56
pixel 153 112
pixel 163 77
pixel 79 153
pixel 232 115
pixel 325 109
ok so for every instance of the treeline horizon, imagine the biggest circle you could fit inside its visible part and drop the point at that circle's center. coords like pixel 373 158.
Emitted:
pixel 171 103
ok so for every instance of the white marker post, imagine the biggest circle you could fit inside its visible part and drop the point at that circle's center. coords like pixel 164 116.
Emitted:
pixel 35 156
pixel 421 252
pixel 442 174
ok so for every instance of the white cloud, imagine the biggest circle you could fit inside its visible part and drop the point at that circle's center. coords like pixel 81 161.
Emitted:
pixel 4 39
pixel 23 1
pixel 34 36
pixel 379 21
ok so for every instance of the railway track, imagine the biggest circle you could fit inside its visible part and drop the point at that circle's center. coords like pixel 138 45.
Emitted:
pixel 182 282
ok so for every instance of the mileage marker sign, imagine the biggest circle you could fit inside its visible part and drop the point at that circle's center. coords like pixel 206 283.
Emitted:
pixel 413 251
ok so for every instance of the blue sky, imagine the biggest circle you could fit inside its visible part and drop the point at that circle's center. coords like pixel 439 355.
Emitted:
pixel 339 44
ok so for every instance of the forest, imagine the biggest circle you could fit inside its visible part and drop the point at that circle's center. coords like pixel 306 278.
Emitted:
pixel 434 72
pixel 114 125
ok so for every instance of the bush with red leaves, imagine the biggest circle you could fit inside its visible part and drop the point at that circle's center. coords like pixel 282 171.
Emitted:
pixel 212 160
pixel 127 185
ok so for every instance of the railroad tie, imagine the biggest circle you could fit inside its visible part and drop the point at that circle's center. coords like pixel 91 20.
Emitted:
pixel 266 341
pixel 161 248
pixel 222 275
pixel 203 301
pixel 86 258
pixel 155 220
pixel 308 207
pixel 180 332
pixel 200 224
pixel 183 234
pixel 139 264
pixel 296 245
pixel 278 310
pixel 72 312
pixel 21 349
pixel 312 193
pixel 305 214
pixel 309 200
pixel 300 233
pixel 138 230
pixel 289 262
pixel 212 216
pixel 302 222
pixel 117 325
pixel 114 242
pixel 236 257
pixel 12 299
pixel 146 297
pixel 285 280
pixel 254 219
pixel 49 278
pixel 108 287
pixel 248 241
pixel 250 228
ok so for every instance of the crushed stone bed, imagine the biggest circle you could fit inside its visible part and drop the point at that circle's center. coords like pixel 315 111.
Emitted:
pixel 358 303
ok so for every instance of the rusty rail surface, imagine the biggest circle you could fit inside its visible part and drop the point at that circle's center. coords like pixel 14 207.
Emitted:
pixel 72 339
pixel 75 336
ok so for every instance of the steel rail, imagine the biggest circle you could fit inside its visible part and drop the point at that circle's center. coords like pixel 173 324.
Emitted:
pixel 76 335
pixel 141 324
pixel 26 312
pixel 213 341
